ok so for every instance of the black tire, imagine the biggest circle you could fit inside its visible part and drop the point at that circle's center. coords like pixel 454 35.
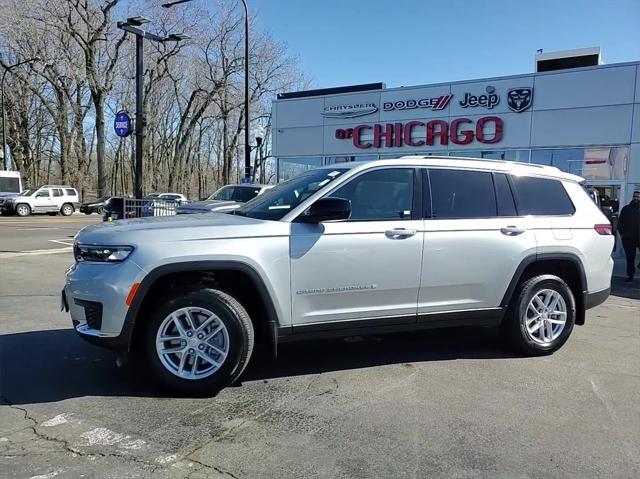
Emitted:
pixel 22 209
pixel 239 329
pixel 100 210
pixel 514 328
pixel 66 209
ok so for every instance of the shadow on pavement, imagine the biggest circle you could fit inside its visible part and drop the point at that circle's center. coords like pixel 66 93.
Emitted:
pixel 625 290
pixel 53 365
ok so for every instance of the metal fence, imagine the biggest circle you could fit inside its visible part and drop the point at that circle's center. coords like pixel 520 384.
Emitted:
pixel 126 208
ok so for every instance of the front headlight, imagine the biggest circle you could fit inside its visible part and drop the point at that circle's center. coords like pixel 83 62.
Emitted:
pixel 102 254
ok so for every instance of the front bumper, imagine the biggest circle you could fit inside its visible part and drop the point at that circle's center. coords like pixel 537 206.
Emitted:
pixel 95 294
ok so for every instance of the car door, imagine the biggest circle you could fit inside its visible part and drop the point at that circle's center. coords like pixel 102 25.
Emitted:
pixel 42 201
pixel 474 242
pixel 57 198
pixel 367 267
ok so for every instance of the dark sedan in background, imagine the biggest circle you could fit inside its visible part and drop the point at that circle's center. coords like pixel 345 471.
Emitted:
pixel 95 206
pixel 227 198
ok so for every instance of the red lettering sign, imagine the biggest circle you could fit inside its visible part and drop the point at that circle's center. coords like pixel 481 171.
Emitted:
pixel 460 131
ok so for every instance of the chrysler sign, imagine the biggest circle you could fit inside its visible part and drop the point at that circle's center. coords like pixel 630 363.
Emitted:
pixel 461 131
pixel 349 111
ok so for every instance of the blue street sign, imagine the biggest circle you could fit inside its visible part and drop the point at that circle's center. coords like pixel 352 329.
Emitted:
pixel 122 124
pixel 245 181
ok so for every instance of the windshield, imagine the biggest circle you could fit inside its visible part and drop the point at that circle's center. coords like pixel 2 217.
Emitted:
pixel 277 202
pixel 241 194
pixel 27 192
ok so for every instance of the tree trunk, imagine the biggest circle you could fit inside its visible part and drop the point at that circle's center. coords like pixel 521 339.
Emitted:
pixel 98 103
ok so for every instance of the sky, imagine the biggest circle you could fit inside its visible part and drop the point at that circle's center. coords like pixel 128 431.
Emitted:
pixel 413 42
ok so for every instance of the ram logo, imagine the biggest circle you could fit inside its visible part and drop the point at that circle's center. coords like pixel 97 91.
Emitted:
pixel 519 99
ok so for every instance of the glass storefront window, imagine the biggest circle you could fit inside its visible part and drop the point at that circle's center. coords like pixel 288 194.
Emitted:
pixel 412 153
pixel 330 160
pixel 598 163
pixel 291 167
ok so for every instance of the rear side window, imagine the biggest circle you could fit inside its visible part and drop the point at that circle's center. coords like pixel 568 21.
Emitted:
pixel 462 194
pixel 504 196
pixel 57 192
pixel 71 192
pixel 542 197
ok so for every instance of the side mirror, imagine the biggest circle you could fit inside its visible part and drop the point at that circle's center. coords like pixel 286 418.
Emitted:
pixel 327 209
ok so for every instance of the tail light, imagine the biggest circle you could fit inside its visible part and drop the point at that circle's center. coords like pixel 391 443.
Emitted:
pixel 604 230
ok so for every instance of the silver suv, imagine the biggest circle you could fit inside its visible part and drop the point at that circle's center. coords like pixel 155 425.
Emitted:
pixel 391 245
pixel 50 199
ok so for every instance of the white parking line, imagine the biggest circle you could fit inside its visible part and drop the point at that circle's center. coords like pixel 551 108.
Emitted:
pixel 35 252
pixel 37 229
pixel 66 242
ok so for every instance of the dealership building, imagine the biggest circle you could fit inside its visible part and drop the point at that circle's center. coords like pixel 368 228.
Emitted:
pixel 574 113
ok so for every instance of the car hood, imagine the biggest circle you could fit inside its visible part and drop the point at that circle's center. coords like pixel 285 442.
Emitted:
pixel 178 228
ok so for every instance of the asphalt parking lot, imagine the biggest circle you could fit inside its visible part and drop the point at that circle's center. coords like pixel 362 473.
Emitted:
pixel 450 403
pixel 41 232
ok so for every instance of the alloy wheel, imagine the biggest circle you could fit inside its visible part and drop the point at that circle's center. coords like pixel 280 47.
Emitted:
pixel 545 317
pixel 192 343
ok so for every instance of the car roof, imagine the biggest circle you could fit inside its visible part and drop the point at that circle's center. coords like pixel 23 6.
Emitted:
pixel 56 186
pixel 506 166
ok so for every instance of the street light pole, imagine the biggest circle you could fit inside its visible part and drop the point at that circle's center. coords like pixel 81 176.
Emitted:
pixel 131 26
pixel 247 149
pixel 139 115
pixel 7 69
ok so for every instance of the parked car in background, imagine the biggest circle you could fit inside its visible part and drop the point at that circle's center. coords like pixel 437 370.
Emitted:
pixel 50 199
pixel 227 198
pixel 177 197
pixel 95 206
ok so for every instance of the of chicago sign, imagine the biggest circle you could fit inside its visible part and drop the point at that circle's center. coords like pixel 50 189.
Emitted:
pixel 460 131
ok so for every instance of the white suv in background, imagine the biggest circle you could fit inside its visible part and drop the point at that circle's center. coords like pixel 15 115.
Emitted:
pixel 390 245
pixel 46 199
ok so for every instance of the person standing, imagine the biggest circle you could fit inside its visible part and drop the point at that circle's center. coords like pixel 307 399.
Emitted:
pixel 629 229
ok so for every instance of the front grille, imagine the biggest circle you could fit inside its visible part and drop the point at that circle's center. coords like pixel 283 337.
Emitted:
pixel 92 312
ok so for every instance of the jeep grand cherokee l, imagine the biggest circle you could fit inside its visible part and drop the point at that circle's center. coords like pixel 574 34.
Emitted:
pixel 391 245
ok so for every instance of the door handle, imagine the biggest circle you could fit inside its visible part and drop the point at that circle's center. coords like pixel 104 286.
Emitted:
pixel 399 233
pixel 511 231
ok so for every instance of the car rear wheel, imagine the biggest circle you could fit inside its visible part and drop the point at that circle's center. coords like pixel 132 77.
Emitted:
pixel 100 210
pixel 541 317
pixel 199 341
pixel 67 209
pixel 23 209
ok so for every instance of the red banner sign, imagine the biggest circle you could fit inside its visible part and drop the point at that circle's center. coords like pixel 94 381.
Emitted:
pixel 460 131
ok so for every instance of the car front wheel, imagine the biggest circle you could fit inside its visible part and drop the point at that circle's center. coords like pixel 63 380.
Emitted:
pixel 542 316
pixel 199 341
pixel 23 209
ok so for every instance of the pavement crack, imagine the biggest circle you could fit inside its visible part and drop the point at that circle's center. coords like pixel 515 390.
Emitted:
pixel 66 445
pixel 210 467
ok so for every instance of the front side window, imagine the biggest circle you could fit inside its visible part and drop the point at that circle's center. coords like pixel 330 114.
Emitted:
pixel 542 197
pixel 43 194
pixel 379 195
pixel 457 194
pixel 275 203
